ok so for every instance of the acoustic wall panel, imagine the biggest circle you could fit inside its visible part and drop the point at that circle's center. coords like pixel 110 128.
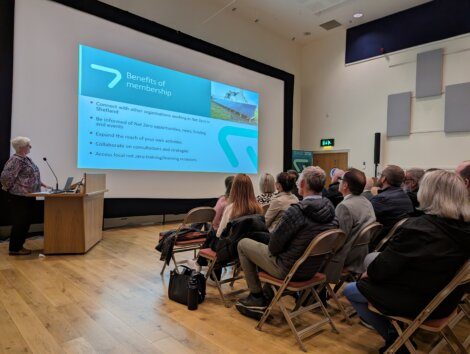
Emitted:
pixel 429 73
pixel 399 114
pixel 457 108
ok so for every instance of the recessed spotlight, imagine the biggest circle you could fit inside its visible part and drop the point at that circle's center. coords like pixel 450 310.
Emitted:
pixel 234 9
pixel 358 15
pixel 307 33
pixel 256 20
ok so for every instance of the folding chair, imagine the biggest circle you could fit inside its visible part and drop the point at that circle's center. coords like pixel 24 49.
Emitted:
pixel 366 235
pixel 323 245
pixel 464 311
pixel 440 326
pixel 211 258
pixel 199 215
pixel 381 245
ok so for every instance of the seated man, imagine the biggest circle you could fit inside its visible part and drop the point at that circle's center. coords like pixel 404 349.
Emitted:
pixel 391 204
pixel 289 240
pixel 354 213
pixel 463 170
pixel 411 186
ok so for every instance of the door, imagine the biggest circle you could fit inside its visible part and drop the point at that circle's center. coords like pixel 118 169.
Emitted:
pixel 330 160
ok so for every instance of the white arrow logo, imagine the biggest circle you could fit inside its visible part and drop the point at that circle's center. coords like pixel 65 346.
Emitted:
pixel 109 70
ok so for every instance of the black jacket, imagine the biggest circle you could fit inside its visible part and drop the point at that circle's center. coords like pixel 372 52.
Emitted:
pixel 333 194
pixel 413 195
pixel 419 262
pixel 251 226
pixel 298 226
pixel 390 206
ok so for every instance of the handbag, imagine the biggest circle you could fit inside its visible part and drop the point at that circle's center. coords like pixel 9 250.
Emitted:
pixel 178 287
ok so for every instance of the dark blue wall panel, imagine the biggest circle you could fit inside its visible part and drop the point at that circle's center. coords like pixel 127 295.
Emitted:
pixel 433 21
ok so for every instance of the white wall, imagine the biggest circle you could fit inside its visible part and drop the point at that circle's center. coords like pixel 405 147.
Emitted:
pixel 225 30
pixel 349 103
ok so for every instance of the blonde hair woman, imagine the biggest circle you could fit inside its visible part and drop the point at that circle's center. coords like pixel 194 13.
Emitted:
pixel 421 260
pixel 267 189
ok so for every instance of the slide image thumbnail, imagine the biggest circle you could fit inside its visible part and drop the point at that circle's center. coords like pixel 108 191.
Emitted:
pixel 234 104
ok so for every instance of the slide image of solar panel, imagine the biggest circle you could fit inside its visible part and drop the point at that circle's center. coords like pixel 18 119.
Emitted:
pixel 233 103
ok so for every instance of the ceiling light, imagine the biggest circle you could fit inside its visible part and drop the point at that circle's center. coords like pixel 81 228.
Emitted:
pixel 358 15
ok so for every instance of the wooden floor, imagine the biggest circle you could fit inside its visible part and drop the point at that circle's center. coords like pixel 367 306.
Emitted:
pixel 113 300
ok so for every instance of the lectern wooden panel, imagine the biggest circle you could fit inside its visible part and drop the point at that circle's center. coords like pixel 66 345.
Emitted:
pixel 73 222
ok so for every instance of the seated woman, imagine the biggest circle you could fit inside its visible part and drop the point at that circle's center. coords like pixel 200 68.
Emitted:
pixel 222 202
pixel 421 259
pixel 281 201
pixel 266 187
pixel 242 201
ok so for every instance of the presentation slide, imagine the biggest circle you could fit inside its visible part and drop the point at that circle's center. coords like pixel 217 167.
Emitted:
pixel 159 119
pixel 134 115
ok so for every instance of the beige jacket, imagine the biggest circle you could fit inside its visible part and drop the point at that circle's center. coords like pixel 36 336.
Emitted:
pixel 279 203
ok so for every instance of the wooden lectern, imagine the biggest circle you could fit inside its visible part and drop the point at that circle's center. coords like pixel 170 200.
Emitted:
pixel 73 222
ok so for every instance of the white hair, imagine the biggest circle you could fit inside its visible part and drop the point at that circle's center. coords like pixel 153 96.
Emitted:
pixel 19 142
pixel 315 178
pixel 444 194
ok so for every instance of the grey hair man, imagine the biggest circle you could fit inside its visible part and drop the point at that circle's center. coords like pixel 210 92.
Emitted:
pixel 411 186
pixel 287 242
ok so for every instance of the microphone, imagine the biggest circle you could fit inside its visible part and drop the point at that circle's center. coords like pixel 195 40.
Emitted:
pixel 56 180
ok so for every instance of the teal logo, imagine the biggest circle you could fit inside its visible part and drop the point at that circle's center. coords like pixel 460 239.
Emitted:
pixel 244 133
pixel 300 164
pixel 117 74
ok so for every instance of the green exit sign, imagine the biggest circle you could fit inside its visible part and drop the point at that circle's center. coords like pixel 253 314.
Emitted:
pixel 327 142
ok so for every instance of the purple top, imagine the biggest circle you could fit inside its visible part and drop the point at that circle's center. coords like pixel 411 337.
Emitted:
pixel 20 176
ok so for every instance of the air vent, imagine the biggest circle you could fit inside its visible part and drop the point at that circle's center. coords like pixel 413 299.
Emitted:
pixel 330 25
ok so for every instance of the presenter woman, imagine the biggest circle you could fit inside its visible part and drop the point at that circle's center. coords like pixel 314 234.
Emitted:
pixel 19 177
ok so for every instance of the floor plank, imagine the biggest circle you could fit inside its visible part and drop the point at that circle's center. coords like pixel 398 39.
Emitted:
pixel 113 300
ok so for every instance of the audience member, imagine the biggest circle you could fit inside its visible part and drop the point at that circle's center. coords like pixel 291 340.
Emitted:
pixel 242 201
pixel 391 204
pixel 367 188
pixel 333 193
pixel 294 174
pixel 222 203
pixel 411 187
pixel 282 200
pixel 463 170
pixel 354 213
pixel 296 229
pixel 267 189
pixel 420 261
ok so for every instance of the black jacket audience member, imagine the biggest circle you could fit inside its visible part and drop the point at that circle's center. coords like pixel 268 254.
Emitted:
pixel 421 260
pixel 333 193
pixel 298 226
pixel 411 186
pixel 391 204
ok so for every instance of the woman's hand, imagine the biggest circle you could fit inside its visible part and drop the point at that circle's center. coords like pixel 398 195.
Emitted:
pixel 45 186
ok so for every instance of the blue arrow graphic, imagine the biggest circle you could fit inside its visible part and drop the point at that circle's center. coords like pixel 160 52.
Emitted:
pixel 233 131
pixel 109 70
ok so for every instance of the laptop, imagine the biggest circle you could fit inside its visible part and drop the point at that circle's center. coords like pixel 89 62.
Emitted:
pixel 68 184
